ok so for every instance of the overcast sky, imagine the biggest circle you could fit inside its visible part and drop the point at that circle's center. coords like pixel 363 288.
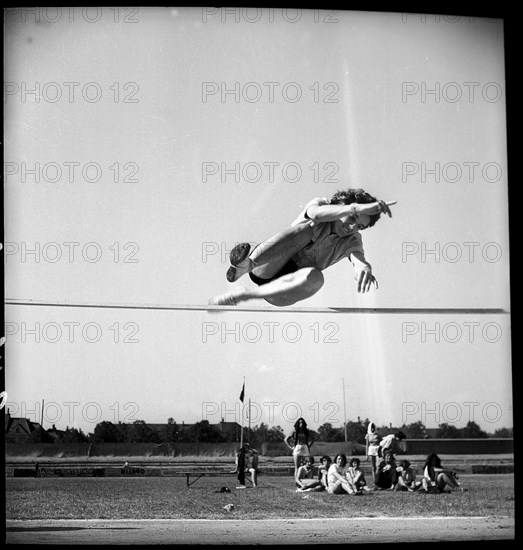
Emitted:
pixel 141 144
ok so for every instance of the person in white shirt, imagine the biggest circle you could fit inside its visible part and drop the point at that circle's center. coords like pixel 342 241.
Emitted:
pixel 436 478
pixel 391 442
pixel 337 477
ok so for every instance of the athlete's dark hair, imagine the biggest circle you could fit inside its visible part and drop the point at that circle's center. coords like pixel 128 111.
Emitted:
pixel 430 467
pixel 435 457
pixel 298 429
pixel 359 196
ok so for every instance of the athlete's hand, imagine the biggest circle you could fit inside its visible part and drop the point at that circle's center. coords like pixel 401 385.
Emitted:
pixel 365 279
pixel 384 207
pixel 380 207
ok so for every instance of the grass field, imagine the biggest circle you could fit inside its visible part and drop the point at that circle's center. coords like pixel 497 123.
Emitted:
pixel 276 497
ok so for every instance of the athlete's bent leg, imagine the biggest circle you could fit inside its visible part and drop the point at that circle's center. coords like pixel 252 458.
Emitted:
pixel 284 291
pixel 266 259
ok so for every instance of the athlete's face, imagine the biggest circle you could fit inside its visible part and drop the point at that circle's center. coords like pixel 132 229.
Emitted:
pixel 350 224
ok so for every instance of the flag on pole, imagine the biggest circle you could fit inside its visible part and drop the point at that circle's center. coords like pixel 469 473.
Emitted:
pixel 242 394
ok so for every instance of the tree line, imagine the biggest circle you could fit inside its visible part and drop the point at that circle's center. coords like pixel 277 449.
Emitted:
pixel 204 432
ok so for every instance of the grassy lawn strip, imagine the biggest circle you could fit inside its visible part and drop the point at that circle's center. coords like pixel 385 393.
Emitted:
pixel 170 498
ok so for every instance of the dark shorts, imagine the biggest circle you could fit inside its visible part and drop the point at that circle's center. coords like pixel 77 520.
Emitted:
pixel 289 267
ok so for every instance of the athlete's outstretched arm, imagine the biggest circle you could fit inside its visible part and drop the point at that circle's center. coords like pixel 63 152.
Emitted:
pixel 333 212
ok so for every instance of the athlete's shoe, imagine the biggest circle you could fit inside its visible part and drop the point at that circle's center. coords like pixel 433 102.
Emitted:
pixel 239 258
pixel 226 299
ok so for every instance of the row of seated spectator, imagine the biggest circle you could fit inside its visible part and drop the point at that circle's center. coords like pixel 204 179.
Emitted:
pixel 346 477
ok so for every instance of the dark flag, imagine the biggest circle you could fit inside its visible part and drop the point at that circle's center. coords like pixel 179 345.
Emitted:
pixel 242 394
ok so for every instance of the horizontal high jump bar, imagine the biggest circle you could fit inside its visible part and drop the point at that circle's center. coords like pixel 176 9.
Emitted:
pixel 263 309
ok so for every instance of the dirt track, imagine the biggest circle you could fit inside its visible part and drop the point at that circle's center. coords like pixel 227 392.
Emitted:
pixel 293 531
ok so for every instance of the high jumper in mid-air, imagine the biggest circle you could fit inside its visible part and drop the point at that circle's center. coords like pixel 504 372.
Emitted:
pixel 287 268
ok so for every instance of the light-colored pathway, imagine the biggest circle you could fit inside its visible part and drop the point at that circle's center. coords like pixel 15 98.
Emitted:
pixel 285 531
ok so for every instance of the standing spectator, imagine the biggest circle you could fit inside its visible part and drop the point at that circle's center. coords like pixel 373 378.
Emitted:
pixel 301 442
pixel 240 466
pixel 251 465
pixel 389 442
pixel 247 462
pixel 372 447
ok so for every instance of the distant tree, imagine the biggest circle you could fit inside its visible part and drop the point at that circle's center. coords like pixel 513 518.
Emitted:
pixel 314 434
pixel 82 437
pixel 259 435
pixel 142 433
pixel 356 431
pixel 262 433
pixel 504 432
pixel 447 431
pixel 416 430
pixel 185 433
pixel 231 431
pixel 107 432
pixel 204 432
pixel 39 435
pixel 384 430
pixel 170 433
pixel 275 433
pixel 126 431
pixel 326 432
pixel 472 430
pixel 72 435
